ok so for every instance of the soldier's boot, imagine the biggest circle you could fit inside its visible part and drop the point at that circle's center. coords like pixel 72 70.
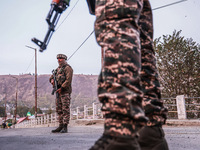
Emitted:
pixel 152 138
pixel 64 129
pixel 58 129
pixel 107 142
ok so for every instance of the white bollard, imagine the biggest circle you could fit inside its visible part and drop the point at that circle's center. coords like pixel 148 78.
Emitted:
pixel 180 101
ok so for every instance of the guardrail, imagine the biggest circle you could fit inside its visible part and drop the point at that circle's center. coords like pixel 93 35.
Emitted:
pixel 179 108
pixel 47 120
pixel 183 107
pixel 87 112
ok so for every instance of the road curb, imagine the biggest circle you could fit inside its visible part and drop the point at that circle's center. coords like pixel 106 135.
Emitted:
pixel 169 122
pixel 183 122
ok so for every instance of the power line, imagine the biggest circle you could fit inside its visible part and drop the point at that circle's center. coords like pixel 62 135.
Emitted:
pixel 169 4
pixel 82 44
pixel 67 15
pixel 152 9
pixel 30 64
pixel 56 29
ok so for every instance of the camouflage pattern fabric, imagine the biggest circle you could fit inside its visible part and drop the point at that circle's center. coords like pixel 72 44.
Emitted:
pixel 152 103
pixel 62 108
pixel 63 56
pixel 64 76
pixel 122 31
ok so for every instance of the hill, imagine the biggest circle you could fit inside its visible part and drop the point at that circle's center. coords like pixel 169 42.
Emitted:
pixel 84 90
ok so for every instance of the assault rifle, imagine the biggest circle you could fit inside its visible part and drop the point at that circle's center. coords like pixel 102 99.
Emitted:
pixel 57 7
pixel 91 5
pixel 55 87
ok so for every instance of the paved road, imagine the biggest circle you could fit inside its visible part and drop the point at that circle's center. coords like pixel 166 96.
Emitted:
pixel 83 137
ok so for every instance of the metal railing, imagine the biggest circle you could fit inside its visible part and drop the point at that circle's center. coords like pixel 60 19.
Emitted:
pixel 190 110
pixel 87 112
pixel 42 121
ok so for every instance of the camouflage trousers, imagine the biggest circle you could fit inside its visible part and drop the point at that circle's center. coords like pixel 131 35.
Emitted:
pixel 63 108
pixel 128 85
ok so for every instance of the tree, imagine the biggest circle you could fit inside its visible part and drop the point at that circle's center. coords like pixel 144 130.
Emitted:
pixel 32 111
pixel 22 111
pixel 178 61
pixel 50 111
pixel 2 111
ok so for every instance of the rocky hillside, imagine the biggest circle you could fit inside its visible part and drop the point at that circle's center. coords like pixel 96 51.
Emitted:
pixel 84 90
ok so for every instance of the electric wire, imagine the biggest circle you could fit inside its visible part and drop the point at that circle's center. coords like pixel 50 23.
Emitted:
pixel 56 29
pixel 29 64
pixel 93 30
pixel 82 44
pixel 169 4
pixel 152 9
pixel 67 16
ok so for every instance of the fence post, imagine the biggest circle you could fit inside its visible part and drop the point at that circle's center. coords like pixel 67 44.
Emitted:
pixel 77 110
pixel 36 122
pixel 41 120
pixel 51 119
pixel 45 119
pixel 85 111
pixel 55 118
pixel 180 101
pixel 94 110
pixel 70 114
pixel 48 119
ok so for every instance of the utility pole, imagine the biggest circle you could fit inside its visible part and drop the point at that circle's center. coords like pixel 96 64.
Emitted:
pixel 35 82
pixel 5 107
pixel 35 79
pixel 5 104
pixel 16 98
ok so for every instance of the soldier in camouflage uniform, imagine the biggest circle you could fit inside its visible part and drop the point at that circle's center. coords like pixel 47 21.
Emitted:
pixel 128 86
pixel 64 74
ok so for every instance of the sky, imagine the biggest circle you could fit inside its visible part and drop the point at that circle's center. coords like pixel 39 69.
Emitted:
pixel 21 20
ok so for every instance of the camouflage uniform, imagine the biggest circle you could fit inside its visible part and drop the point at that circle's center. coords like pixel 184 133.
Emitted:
pixel 64 78
pixel 128 81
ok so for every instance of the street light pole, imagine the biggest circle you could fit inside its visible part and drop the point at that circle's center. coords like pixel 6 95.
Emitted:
pixel 35 83
pixel 35 79
pixel 5 98
pixel 16 98
pixel 5 107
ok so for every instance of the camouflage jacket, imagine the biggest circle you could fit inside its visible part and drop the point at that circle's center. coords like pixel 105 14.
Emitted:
pixel 64 75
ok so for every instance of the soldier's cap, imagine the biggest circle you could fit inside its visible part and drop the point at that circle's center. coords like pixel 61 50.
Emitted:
pixel 63 56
